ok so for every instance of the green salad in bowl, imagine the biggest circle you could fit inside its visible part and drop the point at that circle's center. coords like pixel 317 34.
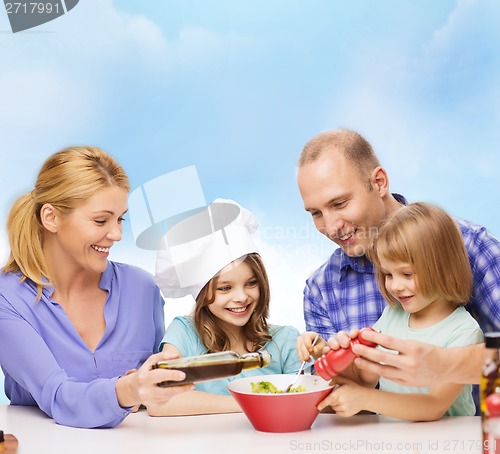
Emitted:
pixel 269 408
pixel 266 387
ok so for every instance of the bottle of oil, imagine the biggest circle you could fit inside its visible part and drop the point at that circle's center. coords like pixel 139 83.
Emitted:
pixel 490 381
pixel 213 365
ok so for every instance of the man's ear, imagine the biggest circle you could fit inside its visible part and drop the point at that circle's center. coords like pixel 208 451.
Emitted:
pixel 380 181
pixel 48 217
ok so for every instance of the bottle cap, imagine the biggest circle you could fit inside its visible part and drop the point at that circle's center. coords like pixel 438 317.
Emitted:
pixel 492 340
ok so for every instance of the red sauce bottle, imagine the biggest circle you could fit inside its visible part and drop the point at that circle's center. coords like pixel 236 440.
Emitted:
pixel 492 443
pixel 335 361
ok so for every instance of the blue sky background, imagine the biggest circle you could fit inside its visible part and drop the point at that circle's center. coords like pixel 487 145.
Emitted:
pixel 238 87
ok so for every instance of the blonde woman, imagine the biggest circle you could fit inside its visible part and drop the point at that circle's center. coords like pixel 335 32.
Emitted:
pixel 73 324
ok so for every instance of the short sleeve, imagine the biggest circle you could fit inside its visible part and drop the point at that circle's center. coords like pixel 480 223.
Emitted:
pixel 181 333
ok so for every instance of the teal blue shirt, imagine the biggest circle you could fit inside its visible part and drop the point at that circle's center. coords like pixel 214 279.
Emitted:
pixel 182 334
pixel 459 329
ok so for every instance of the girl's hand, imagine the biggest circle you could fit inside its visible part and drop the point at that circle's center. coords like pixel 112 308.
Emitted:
pixel 141 387
pixel 347 398
pixel 341 340
pixel 304 346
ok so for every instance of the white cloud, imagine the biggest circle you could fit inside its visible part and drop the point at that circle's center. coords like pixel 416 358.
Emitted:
pixel 61 82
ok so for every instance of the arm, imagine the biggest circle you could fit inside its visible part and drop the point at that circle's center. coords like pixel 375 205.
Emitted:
pixel 350 398
pixel 34 376
pixel 483 250
pixel 140 387
pixel 192 402
pixel 420 364
pixel 195 403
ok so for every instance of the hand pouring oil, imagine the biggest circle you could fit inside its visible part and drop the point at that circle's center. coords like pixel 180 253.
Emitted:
pixel 213 366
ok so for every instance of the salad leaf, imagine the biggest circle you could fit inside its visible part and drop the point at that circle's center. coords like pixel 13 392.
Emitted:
pixel 266 387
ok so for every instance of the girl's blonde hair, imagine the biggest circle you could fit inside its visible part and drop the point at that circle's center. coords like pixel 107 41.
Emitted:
pixel 427 238
pixel 256 331
pixel 66 179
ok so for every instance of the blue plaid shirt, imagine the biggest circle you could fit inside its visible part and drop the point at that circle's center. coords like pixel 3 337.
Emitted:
pixel 343 293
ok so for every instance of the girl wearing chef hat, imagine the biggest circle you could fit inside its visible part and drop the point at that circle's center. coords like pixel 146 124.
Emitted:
pixel 211 256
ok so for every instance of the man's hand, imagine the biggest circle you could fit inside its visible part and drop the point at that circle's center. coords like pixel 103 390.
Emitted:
pixel 414 363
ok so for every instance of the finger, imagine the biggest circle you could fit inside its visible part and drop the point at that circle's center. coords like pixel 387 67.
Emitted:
pixel 392 358
pixel 174 390
pixel 302 351
pixel 389 372
pixel 339 380
pixel 318 348
pixel 343 339
pixel 156 376
pixel 155 358
pixel 165 355
pixel 326 402
pixel 389 342
pixel 333 343
pixel 353 334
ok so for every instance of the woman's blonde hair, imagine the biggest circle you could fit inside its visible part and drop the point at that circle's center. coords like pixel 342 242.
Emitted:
pixel 256 331
pixel 66 179
pixel 427 238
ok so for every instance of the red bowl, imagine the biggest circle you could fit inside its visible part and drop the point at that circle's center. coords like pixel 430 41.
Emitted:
pixel 290 412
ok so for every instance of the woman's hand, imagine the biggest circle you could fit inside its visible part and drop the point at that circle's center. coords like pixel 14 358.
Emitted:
pixel 134 409
pixel 141 387
pixel 305 348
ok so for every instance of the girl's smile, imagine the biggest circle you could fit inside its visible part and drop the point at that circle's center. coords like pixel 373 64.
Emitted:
pixel 239 310
pixel 402 284
pixel 236 294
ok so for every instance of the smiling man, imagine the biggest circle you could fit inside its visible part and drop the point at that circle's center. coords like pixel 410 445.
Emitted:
pixel 346 191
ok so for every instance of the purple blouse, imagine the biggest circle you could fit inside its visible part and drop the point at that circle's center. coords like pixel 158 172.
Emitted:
pixel 46 362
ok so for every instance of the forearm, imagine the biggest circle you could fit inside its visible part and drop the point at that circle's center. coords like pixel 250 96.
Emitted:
pixel 196 403
pixel 420 364
pixel 365 379
pixel 126 392
pixel 464 364
pixel 410 407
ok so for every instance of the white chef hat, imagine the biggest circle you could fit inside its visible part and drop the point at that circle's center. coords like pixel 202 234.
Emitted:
pixel 198 247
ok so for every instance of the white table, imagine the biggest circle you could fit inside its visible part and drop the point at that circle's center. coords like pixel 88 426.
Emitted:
pixel 233 433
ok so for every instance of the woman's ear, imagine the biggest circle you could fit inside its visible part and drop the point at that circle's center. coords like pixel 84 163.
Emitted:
pixel 48 217
pixel 380 181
